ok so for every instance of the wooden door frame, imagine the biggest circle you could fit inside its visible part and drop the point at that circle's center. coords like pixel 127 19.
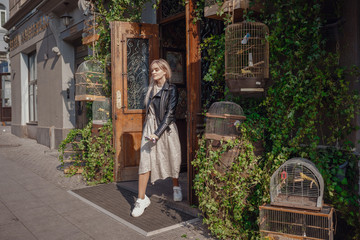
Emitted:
pixel 193 74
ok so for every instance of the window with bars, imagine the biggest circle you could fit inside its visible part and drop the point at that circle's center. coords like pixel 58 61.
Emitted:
pixel 32 87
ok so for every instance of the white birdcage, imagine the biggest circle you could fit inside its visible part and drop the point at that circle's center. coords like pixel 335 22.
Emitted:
pixel 296 210
pixel 297 183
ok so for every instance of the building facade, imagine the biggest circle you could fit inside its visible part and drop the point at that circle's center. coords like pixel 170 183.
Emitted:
pixel 45 49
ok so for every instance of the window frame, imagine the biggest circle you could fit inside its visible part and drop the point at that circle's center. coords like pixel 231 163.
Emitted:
pixel 3 11
pixel 32 88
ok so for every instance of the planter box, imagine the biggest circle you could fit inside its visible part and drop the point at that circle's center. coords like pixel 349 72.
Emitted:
pixel 211 8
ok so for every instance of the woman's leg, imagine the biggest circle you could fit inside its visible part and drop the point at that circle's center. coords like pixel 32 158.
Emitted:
pixel 175 182
pixel 143 181
pixel 177 195
pixel 142 202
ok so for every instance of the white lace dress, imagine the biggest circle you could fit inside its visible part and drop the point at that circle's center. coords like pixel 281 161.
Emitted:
pixel 163 158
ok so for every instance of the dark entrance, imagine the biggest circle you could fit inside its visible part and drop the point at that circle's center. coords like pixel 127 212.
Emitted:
pixel 5 97
pixel 173 49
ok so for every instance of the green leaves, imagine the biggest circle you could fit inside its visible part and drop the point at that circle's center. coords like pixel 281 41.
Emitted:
pixel 226 195
pixel 97 156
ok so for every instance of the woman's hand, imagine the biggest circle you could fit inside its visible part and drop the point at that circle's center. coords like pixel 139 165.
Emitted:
pixel 153 136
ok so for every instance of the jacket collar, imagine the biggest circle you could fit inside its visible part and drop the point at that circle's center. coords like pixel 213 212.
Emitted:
pixel 165 88
pixel 166 85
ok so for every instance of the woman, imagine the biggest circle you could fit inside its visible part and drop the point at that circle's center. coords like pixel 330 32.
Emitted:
pixel 160 152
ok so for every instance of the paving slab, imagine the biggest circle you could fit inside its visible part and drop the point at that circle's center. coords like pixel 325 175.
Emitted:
pixel 6 216
pixel 51 227
pixel 15 231
pixel 100 226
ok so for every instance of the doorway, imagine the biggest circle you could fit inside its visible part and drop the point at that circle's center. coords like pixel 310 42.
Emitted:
pixel 134 47
pixel 176 39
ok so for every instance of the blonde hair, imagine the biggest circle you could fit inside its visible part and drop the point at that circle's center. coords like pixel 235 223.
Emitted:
pixel 163 65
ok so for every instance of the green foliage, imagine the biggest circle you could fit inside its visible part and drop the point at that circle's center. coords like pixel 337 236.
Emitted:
pixel 97 153
pixel 75 146
pixel 310 103
pixel 229 196
pixel 115 10
pixel 214 49
pixel 341 183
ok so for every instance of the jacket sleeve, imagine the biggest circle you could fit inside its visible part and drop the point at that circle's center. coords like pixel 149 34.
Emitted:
pixel 169 112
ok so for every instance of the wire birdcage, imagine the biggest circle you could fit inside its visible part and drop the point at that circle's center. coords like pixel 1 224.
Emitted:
pixel 246 57
pixel 287 223
pixel 223 120
pixel 101 111
pixel 297 183
pixel 89 81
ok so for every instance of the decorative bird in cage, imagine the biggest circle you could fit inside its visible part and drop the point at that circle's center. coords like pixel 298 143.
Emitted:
pixel 104 111
pixel 306 177
pixel 246 71
pixel 245 39
pixel 237 124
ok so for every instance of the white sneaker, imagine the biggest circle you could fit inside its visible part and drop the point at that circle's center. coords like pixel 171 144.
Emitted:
pixel 177 194
pixel 140 206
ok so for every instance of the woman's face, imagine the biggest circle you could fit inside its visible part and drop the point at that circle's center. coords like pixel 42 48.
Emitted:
pixel 157 73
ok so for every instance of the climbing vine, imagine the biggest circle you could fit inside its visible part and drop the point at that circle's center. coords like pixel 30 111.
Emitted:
pixel 115 10
pixel 92 152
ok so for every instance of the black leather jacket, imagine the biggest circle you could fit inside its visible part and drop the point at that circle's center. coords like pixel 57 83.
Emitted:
pixel 164 104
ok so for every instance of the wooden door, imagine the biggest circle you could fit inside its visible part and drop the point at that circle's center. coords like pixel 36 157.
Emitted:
pixel 133 47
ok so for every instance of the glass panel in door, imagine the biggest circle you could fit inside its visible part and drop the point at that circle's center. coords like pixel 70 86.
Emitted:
pixel 137 71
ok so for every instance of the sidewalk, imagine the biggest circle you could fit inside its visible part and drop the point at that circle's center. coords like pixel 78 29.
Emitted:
pixel 35 203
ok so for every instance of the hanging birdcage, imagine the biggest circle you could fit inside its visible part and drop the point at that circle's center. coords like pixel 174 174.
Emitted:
pixel 223 120
pixel 215 10
pixel 297 183
pixel 246 57
pixel 89 79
